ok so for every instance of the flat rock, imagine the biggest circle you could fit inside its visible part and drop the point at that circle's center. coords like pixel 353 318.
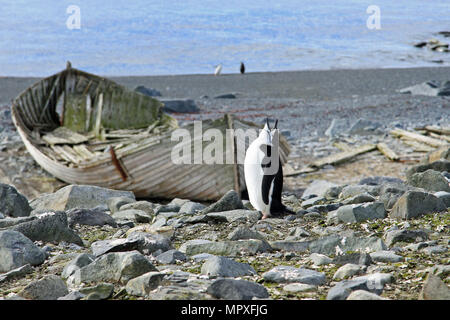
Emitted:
pixel 218 266
pixel 12 258
pixel 242 233
pixel 435 249
pixel 171 256
pixel 286 274
pixel 132 215
pixel 234 215
pixel 386 256
pixel 318 188
pixel 142 285
pixel 81 260
pixel 320 259
pixel 444 196
pixel 230 201
pixel 89 217
pixel 359 258
pixel 299 287
pixel 364 295
pixel 393 236
pixel 429 180
pixel 414 204
pixel 287 245
pixel 77 196
pixel 177 292
pixel 50 287
pixel 329 245
pixel 16 273
pixel 9 222
pixel 439 165
pixel 225 248
pixel 100 291
pixel 429 88
pixel 191 207
pixel 348 270
pixel 179 105
pixel 145 206
pixel 115 203
pixel 230 289
pixel 13 203
pixel 434 289
pixel 361 212
pixel 358 189
pixel 373 283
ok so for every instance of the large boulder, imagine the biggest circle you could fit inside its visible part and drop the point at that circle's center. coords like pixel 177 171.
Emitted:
pixel 16 250
pixel 435 289
pixel 13 203
pixel 78 196
pixel 429 180
pixel 414 204
pixel 50 287
pixel 440 165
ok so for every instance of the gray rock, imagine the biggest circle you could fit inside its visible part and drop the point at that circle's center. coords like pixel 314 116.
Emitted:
pixel 145 243
pixel 390 193
pixel 435 249
pixel 330 244
pixel 320 259
pixel 179 105
pixel 360 198
pixel 90 217
pixel 230 289
pixel 148 91
pixel 435 289
pixel 218 266
pixel 16 250
pixel 9 222
pixel 405 235
pixel 49 227
pixel 312 201
pixel 365 127
pixel 201 257
pixel 225 248
pixel 167 208
pixel 16 273
pixel 348 270
pixel 13 203
pixel 176 292
pixel 74 295
pixel 234 215
pixel 333 192
pixel 191 207
pixel 317 188
pixel 364 295
pixel 230 201
pixel 299 287
pixel 386 256
pixel 373 283
pixel 101 291
pixel 414 204
pixel 50 287
pixel 380 180
pixel 355 190
pixel 171 256
pixel 142 285
pixel 361 212
pixel 115 203
pixel 132 215
pixel 287 245
pixel 241 233
pixel 359 258
pixel 444 196
pixel 146 206
pixel 226 96
pixel 440 270
pixel 77 196
pixel 116 266
pixel 429 180
pixel 284 274
pixel 81 260
pixel 429 88
pixel 440 166
pixel 297 233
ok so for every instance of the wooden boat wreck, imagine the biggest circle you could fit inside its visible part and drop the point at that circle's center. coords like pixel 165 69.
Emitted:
pixel 85 129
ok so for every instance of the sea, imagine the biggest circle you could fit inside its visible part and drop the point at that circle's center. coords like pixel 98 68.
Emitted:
pixel 172 37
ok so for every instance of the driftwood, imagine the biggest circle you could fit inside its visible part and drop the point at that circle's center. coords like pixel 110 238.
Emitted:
pixel 63 135
pixel 438 130
pixel 438 136
pixel 343 156
pixel 418 137
pixel 417 146
pixel 388 152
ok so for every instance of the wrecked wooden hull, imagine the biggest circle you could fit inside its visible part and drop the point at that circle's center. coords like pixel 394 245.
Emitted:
pixel 141 162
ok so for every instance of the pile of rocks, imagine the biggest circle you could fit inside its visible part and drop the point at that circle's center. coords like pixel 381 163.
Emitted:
pixel 383 238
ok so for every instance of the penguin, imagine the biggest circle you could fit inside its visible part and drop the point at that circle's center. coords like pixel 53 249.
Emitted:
pixel 264 184
pixel 218 70
pixel 242 68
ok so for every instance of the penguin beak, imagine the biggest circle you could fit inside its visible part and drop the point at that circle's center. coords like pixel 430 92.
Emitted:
pixel 267 123
pixel 276 124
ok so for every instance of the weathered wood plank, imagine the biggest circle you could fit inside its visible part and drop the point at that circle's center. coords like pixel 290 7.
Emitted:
pixel 418 137
pixel 388 152
pixel 343 156
pixel 63 135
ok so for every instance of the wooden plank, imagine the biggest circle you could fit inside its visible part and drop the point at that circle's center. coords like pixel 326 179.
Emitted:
pixel 418 137
pixel 303 170
pixel 343 156
pixel 388 152
pixel 417 146
pixel 63 135
pixel 441 137
pixel 342 146
pixel 438 130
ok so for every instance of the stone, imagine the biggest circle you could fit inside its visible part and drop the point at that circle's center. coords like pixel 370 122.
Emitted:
pixel 364 295
pixel 74 295
pixel 440 166
pixel 365 127
pixel 393 236
pixel 360 198
pixel 49 227
pixel 429 180
pixel 50 287
pixel 390 193
pixel 379 180
pixel 171 256
pixel 299 287
pixel 351 191
pixel 225 248
pixel 328 245
pixel 115 203
pixel 297 233
pixel 434 289
pixel 179 105
pixel 100 291
pixel 286 274
pixel 167 208
pixel 132 215
pixel 16 273
pixel 234 215
pixel 320 259
pixel 359 258
pixel 145 206
pixel 312 202
pixel 230 289
pixel 81 260
pixel 333 192
pixel 373 283
pixel 361 212
pixel 348 270
pixel 11 257
pixel 230 201
pixel 386 256
pixel 226 96
pixel 142 285
pixel 241 233
pixel 147 91
pixel 191 207
pixel 9 222
pixel 13 203
pixel 444 196
pixel 287 245
pixel 317 188
pixel 218 266
pixel 77 196
pixel 201 257
pixel 116 267
pixel 89 217
pixel 435 249
pixel 429 88
pixel 413 204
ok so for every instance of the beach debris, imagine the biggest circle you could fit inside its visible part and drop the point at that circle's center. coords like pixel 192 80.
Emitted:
pixel 388 152
pixel 418 137
pixel 429 88
pixel 218 69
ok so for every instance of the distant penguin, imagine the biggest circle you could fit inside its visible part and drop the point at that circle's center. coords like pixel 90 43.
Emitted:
pixel 218 70
pixel 264 186
pixel 242 68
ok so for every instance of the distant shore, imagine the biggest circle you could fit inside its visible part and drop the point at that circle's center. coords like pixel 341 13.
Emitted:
pixel 309 85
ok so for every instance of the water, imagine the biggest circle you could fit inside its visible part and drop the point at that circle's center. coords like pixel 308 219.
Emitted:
pixel 138 37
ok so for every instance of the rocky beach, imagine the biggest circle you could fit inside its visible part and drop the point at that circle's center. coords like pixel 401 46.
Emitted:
pixel 367 227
